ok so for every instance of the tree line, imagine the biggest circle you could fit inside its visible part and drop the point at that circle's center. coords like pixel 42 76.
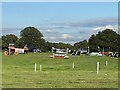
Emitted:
pixel 108 40
pixel 32 37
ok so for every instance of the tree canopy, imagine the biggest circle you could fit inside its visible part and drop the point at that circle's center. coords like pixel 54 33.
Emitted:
pixel 107 39
pixel 82 44
pixel 32 37
pixel 10 38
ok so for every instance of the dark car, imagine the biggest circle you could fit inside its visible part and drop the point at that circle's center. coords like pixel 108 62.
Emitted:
pixel 34 50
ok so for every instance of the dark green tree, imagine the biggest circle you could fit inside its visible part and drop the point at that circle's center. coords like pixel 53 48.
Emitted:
pixel 32 37
pixel 107 39
pixel 93 43
pixel 59 45
pixel 11 38
pixel 82 44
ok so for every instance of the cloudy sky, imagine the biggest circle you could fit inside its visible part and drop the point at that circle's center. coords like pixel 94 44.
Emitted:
pixel 67 22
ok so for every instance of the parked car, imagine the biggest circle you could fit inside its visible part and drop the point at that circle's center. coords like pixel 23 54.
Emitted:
pixel 96 54
pixel 34 50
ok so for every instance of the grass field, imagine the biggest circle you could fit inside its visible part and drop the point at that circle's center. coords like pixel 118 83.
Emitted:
pixel 18 72
pixel 0 70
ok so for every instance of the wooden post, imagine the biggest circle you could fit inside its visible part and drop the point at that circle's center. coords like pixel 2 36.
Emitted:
pixel 106 63
pixel 98 65
pixel 35 67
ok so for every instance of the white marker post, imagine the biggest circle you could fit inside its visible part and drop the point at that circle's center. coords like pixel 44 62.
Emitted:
pixel 98 64
pixel 106 63
pixel 35 67
pixel 73 65
pixel 9 49
pixel 40 67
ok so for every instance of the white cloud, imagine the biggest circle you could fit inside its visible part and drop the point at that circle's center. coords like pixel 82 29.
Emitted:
pixel 48 30
pixel 114 28
pixel 66 36
pixel 53 38
pixel 49 38
pixel 103 28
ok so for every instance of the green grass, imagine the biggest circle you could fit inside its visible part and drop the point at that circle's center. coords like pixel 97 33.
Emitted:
pixel 0 70
pixel 18 72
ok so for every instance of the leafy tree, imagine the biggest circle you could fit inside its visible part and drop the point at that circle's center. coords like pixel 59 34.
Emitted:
pixel 11 38
pixel 107 39
pixel 82 44
pixel 32 37
pixel 93 43
pixel 59 45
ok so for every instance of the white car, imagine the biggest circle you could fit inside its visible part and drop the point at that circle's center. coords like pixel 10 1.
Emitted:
pixel 95 54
